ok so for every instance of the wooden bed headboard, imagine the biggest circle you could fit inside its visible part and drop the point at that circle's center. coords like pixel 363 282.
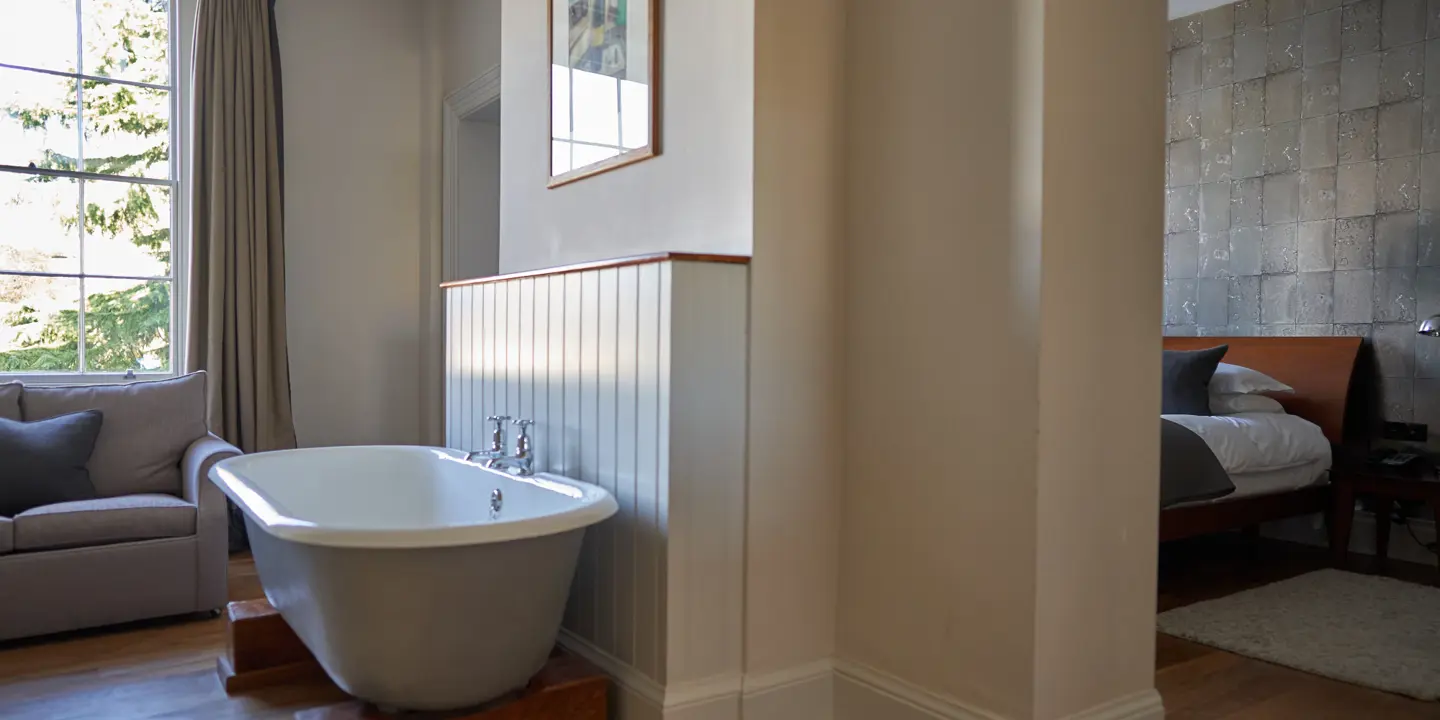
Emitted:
pixel 1319 368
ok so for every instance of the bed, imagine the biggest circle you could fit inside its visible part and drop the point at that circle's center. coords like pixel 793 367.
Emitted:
pixel 1322 370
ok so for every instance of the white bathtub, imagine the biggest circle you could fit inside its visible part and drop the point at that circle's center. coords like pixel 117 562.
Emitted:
pixel 390 565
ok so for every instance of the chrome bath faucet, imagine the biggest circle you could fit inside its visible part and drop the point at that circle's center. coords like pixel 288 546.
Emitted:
pixel 497 441
pixel 523 461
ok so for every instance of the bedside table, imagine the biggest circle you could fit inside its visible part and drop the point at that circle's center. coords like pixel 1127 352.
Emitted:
pixel 1352 476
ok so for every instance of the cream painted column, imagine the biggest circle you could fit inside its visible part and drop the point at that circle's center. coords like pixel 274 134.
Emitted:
pixel 1100 307
pixel 796 408
pixel 1004 171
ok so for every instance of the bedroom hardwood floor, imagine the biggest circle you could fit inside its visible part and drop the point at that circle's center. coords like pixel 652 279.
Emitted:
pixel 166 669
pixel 1202 683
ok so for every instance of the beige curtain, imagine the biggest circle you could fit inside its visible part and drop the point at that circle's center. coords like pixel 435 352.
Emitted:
pixel 237 280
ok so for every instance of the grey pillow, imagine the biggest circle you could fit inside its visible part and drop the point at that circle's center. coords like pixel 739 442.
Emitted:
pixel 45 460
pixel 1185 380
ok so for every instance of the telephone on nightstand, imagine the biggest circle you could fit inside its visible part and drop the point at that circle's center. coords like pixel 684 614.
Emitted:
pixel 1393 458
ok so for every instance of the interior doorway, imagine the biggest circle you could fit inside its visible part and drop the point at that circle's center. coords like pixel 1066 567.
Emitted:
pixel 470 201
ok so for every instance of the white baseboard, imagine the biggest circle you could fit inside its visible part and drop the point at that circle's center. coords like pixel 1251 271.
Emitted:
pixel 620 671
pixel 905 698
pixel 642 698
pixel 807 692
pixel 911 701
pixel 1310 530
pixel 1143 705
pixel 801 692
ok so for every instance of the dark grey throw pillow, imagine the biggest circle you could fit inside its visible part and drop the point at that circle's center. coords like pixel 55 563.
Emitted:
pixel 45 460
pixel 1185 381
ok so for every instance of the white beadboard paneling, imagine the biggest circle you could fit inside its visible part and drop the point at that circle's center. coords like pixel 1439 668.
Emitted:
pixel 590 356
pixel 706 539
pixel 623 541
pixel 649 543
pixel 553 449
pixel 524 329
pixel 453 367
pixel 539 368
pixel 485 351
pixel 588 429
pixel 606 348
pixel 512 349
pixel 662 475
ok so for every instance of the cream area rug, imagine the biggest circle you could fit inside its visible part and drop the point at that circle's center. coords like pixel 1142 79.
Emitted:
pixel 1362 629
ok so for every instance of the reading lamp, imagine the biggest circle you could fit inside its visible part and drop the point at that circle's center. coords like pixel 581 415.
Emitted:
pixel 1431 326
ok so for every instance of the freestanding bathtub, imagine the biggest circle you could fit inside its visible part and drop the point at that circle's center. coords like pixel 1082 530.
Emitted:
pixel 393 568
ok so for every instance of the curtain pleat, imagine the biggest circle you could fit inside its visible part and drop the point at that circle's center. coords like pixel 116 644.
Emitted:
pixel 237 278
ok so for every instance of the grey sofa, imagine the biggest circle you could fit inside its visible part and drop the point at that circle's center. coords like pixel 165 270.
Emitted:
pixel 154 541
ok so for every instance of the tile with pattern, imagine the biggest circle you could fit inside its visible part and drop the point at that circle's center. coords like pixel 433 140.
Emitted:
pixel 1303 178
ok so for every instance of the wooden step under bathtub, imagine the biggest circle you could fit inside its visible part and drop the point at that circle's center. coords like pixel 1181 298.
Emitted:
pixel 261 651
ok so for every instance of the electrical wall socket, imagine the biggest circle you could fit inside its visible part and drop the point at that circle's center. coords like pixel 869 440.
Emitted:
pixel 1409 432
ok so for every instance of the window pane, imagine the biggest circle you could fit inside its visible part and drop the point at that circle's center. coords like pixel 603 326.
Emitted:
pixel 37 119
pixel 559 102
pixel 634 115
pixel 127 229
pixel 596 109
pixel 38 324
pixel 38 33
pixel 559 157
pixel 127 39
pixel 127 130
pixel 590 154
pixel 127 325
pixel 38 229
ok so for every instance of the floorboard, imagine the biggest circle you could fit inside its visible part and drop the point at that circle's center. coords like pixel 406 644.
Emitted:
pixel 1203 683
pixel 165 669
pixel 150 669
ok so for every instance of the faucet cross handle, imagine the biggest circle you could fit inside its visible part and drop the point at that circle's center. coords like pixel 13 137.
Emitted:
pixel 522 443
pixel 497 438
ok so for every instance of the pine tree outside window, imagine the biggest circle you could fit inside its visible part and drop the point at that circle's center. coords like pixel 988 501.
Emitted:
pixel 91 251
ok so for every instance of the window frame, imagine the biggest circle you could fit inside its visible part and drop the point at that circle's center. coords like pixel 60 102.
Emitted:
pixel 182 23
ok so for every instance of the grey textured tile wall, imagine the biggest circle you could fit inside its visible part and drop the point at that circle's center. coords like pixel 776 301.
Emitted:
pixel 1303 180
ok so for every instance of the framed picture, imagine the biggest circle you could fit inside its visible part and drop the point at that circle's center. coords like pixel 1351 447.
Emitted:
pixel 604 86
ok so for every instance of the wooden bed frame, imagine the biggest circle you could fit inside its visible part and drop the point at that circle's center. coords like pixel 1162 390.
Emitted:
pixel 1322 371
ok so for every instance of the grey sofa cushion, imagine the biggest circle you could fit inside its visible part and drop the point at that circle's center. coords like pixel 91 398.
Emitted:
pixel 148 426
pixel 43 462
pixel 103 521
pixel 7 535
pixel 10 400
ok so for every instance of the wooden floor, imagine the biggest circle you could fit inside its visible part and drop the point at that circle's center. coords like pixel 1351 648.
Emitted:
pixel 1202 683
pixel 166 669
pixel 156 669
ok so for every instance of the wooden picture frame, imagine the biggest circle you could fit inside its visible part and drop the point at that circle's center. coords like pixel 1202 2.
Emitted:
pixel 569 172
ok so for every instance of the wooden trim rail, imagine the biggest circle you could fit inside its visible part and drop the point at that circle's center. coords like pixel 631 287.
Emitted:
pixel 603 264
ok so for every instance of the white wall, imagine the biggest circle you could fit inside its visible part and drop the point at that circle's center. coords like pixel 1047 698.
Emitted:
pixel 352 94
pixel 468 39
pixel 696 196
pixel 1104 69
pixel 477 246
pixel 938 546
pixel 998 534
pixel 796 383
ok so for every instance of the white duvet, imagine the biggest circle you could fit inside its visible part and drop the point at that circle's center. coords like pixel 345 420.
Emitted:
pixel 1256 442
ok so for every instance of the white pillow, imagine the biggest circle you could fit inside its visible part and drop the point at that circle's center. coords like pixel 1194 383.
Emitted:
pixel 1234 403
pixel 1235 379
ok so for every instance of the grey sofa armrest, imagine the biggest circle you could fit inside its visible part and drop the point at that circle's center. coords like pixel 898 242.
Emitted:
pixel 212 519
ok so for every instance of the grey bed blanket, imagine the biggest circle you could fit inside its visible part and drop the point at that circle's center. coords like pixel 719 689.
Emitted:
pixel 1188 469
